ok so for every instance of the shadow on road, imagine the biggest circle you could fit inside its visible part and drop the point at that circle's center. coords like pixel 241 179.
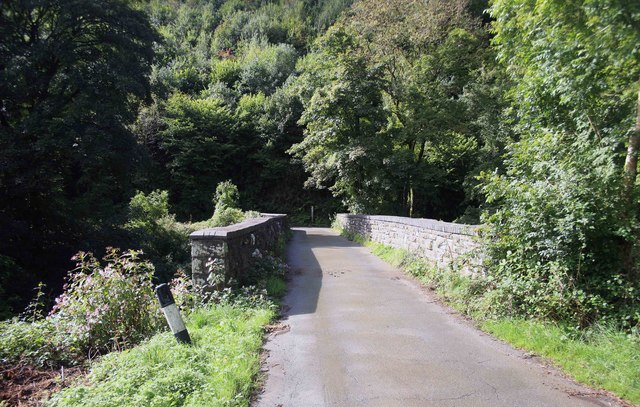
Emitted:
pixel 306 272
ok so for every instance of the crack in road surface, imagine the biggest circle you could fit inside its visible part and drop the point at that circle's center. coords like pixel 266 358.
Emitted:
pixel 364 340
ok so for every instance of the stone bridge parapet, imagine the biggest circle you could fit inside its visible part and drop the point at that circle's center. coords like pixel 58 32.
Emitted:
pixel 440 242
pixel 228 251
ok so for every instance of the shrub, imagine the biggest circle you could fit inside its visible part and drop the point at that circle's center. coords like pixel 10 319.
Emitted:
pixel 103 307
pixel 36 343
pixel 226 195
pixel 146 210
pixel 226 216
pixel 554 235
pixel 163 239
pixel 110 306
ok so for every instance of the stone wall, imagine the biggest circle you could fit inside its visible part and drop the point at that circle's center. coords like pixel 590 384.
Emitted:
pixel 437 241
pixel 230 249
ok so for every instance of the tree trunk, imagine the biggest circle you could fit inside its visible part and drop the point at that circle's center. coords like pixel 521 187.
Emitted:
pixel 411 200
pixel 631 162
pixel 630 174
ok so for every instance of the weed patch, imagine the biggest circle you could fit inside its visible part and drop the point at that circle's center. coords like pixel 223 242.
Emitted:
pixel 217 370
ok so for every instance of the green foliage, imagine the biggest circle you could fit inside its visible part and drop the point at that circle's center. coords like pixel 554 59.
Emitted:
pixel 226 195
pixel 562 225
pixel 326 12
pixel 267 272
pixel 276 22
pixel 553 241
pixel 226 70
pixel 199 140
pixel 226 216
pixel 109 306
pixel 162 239
pixel 148 209
pixel 218 370
pixel 343 146
pixel 579 70
pixel 226 202
pixel 276 287
pixel 395 112
pixel 38 343
pixel 242 54
pixel 73 73
pixel 103 308
pixel 265 67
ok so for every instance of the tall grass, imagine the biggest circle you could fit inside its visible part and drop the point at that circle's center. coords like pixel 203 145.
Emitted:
pixel 217 370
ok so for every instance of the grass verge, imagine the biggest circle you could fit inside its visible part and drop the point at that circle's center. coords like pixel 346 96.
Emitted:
pixel 600 357
pixel 217 370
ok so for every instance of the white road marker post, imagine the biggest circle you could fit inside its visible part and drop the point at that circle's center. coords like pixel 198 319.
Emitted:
pixel 172 314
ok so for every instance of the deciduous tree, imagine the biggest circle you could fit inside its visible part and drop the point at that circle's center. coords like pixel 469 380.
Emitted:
pixel 72 73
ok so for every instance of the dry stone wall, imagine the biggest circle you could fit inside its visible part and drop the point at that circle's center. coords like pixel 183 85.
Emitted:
pixel 227 252
pixel 440 242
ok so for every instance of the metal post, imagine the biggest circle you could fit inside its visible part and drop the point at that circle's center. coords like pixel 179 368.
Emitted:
pixel 172 314
pixel 311 215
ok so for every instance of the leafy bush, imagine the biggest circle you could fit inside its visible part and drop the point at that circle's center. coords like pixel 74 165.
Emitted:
pixel 146 210
pixel 37 343
pixel 226 71
pixel 226 202
pixel 554 237
pixel 111 306
pixel 103 307
pixel 265 67
pixel 226 195
pixel 226 216
pixel 163 240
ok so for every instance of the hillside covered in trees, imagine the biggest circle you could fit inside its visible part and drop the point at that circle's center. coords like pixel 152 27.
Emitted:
pixel 522 115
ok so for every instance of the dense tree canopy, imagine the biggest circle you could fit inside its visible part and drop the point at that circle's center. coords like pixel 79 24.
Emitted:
pixel 527 114
pixel 72 73
pixel 566 223
pixel 392 112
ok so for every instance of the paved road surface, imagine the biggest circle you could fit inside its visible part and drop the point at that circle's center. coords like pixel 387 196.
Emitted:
pixel 361 334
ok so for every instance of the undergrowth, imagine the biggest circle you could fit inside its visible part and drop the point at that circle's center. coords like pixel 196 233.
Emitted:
pixel 601 355
pixel 108 319
pixel 217 370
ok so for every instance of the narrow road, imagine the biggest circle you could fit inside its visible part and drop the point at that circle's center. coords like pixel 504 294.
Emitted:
pixel 361 334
